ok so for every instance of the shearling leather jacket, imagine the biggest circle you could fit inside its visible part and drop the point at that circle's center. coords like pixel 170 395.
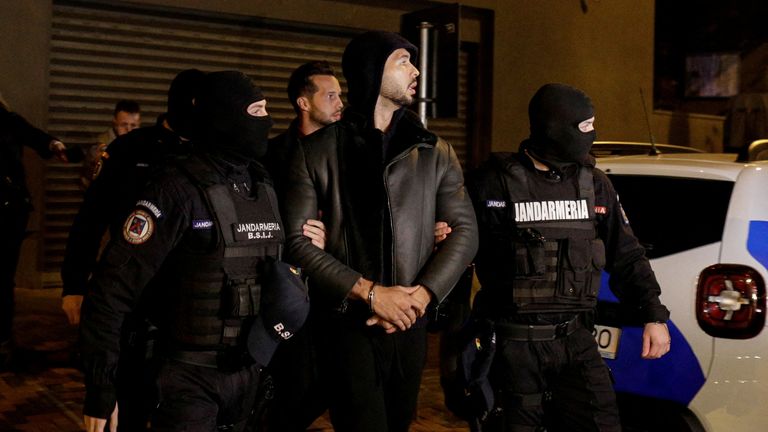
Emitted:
pixel 341 172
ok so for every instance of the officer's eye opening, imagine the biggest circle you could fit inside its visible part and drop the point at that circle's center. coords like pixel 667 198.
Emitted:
pixel 587 125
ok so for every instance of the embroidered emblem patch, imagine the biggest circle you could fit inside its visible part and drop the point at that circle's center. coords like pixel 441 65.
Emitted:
pixel 138 227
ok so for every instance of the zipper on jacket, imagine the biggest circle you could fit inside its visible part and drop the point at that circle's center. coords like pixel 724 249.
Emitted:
pixel 392 247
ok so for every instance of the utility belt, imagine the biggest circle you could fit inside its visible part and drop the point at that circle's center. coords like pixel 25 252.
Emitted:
pixel 536 332
pixel 228 360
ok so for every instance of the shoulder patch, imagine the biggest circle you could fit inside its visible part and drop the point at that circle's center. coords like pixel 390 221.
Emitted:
pixel 202 224
pixel 139 227
pixel 150 206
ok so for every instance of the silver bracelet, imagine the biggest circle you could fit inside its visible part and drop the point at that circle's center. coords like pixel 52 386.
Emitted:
pixel 371 296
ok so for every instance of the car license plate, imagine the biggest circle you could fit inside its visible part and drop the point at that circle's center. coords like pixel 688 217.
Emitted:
pixel 607 339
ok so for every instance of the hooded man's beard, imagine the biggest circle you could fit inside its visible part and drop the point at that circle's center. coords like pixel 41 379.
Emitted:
pixel 393 91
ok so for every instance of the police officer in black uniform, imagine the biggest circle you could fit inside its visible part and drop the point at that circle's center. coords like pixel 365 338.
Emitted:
pixel 207 230
pixel 132 159
pixel 16 205
pixel 550 222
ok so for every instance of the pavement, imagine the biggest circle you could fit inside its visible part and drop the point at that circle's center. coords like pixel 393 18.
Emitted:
pixel 42 390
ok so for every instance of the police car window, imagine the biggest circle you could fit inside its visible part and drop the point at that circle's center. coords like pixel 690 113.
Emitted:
pixel 672 214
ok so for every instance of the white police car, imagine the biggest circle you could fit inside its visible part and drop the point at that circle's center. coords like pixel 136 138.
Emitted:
pixel 704 221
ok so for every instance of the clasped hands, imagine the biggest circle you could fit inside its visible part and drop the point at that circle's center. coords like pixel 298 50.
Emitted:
pixel 393 307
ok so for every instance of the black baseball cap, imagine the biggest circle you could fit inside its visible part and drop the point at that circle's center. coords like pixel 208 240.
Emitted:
pixel 283 310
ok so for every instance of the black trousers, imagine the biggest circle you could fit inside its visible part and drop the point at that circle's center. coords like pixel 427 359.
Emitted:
pixel 374 377
pixel 13 219
pixel 560 385
pixel 202 399
pixel 136 373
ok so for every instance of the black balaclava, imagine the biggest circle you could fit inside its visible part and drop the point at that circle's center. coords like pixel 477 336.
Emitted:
pixel 182 116
pixel 363 66
pixel 227 128
pixel 555 112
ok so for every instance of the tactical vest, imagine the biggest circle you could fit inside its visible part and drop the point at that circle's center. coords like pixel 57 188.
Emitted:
pixel 554 252
pixel 219 292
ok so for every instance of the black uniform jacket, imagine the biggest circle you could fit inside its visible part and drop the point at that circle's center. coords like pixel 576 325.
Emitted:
pixel 133 158
pixel 341 171
pixel 170 212
pixel 631 277
pixel 278 152
pixel 15 133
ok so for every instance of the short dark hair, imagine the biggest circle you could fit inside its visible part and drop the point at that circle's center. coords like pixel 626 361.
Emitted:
pixel 128 106
pixel 300 84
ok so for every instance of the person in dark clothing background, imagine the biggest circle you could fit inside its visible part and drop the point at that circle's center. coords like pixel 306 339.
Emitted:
pixel 300 394
pixel 315 95
pixel 549 223
pixel 208 234
pixel 15 205
pixel 134 158
pixel 381 181
pixel 126 117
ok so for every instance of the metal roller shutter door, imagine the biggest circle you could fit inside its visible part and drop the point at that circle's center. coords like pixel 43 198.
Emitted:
pixel 102 53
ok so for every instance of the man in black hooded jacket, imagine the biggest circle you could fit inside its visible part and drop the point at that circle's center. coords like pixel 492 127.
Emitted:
pixel 549 223
pixel 206 232
pixel 381 181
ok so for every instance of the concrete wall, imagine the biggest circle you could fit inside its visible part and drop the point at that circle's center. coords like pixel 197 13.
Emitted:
pixel 607 51
pixel 25 34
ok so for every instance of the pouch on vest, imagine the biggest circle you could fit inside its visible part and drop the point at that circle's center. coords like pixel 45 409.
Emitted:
pixel 535 267
pixel 530 254
pixel 579 273
pixel 240 298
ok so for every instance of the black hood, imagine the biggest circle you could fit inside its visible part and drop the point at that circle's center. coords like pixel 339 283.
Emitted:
pixel 227 128
pixel 555 112
pixel 363 66
pixel 182 116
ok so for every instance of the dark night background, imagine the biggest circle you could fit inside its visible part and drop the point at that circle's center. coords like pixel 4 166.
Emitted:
pixel 707 26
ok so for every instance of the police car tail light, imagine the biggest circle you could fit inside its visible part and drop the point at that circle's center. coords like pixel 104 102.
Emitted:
pixel 730 301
